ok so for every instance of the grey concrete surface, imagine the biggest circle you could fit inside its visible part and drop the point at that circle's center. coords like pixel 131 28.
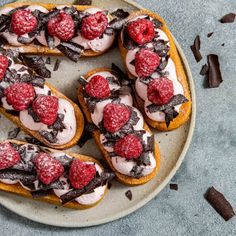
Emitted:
pixel 211 159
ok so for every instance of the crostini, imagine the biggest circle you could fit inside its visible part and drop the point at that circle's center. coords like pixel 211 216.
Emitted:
pixel 152 61
pixel 67 179
pixel 118 128
pixel 37 107
pixel 44 28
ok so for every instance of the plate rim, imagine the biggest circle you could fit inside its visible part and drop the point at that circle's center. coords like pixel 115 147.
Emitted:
pixel 163 183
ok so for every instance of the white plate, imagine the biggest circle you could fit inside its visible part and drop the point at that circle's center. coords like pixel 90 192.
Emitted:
pixel 115 205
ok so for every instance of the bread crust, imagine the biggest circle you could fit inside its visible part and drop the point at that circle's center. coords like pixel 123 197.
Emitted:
pixel 79 122
pixel 51 198
pixel 127 180
pixel 43 50
pixel 185 108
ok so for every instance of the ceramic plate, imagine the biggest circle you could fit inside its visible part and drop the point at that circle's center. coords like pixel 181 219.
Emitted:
pixel 115 205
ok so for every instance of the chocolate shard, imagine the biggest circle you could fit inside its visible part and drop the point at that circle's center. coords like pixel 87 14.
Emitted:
pixel 48 60
pixel 136 172
pixel 40 193
pixel 33 141
pixel 82 81
pixel 228 18
pixel 49 136
pixel 204 70
pixel 83 2
pixel 129 194
pixel 219 203
pixel 50 15
pixel 174 187
pixel 117 23
pixel 210 34
pixel 119 73
pixel 65 160
pixel 96 182
pixel 13 133
pixel 214 74
pixel 49 39
pixel 56 65
pixel 196 48
pixel 120 13
pixel 38 81
pixel 17 175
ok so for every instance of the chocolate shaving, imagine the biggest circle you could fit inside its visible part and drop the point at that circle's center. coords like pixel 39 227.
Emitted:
pixel 94 183
pixel 40 193
pixel 204 70
pixel 50 15
pixel 128 43
pixel 214 73
pixel 56 65
pixel 49 136
pixel 17 8
pixel 120 13
pixel 174 187
pixel 83 2
pixel 49 40
pixel 24 166
pixel 117 23
pixel 161 47
pixel 196 49
pixel 65 160
pixel 33 141
pixel 17 175
pixel 38 81
pixel 4 22
pixel 82 81
pixel 136 172
pixel 144 159
pixel 13 133
pixel 84 138
pixel 33 115
pixel 48 60
pixel 210 34
pixel 228 18
pixel 222 44
pixel 170 114
pixel 219 203
pixel 129 195
pixel 58 124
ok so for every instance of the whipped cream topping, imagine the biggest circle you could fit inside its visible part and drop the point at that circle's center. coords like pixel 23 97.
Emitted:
pixel 141 88
pixel 85 199
pixel 64 107
pixel 121 164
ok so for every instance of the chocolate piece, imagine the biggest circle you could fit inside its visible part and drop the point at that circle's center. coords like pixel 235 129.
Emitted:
pixel 112 80
pixel 170 114
pixel 161 47
pixel 13 133
pixel 219 203
pixel 38 81
pixel 82 81
pixel 94 183
pixel 86 134
pixel 123 79
pixel 222 44
pixel 210 34
pixel 33 141
pixel 49 136
pixel 144 159
pixel 40 193
pixel 65 160
pixel 56 65
pixel 128 43
pixel 228 18
pixel 157 23
pixel 116 23
pixel 129 195
pixel 136 172
pixel 48 60
pixel 83 2
pixel 196 49
pixel 24 166
pixel 214 74
pixel 17 8
pixel 33 115
pixel 49 40
pixel 58 124
pixel 17 175
pixel 174 187
pixel 120 13
pixel 50 15
pixel 25 78
pixel 204 70
pixel 72 50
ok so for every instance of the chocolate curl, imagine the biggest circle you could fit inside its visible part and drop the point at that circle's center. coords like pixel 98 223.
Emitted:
pixel 196 49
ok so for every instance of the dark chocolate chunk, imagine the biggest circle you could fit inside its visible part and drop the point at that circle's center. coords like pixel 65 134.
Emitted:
pixel 228 18
pixel 17 8
pixel 70 10
pixel 128 43
pixel 94 183
pixel 72 50
pixel 214 74
pixel 4 22
pixel 83 2
pixel 112 80
pixel 129 195
pixel 136 172
pixel 38 81
pixel 120 13
pixel 196 49
pixel 33 115
pixel 65 160
pixel 210 34
pixel 17 175
pixel 24 166
pixel 204 70
pixel 49 136
pixel 26 78
pixel 40 193
pixel 50 15
pixel 56 65
pixel 82 81
pixel 33 141
pixel 170 114
pixel 161 47
pixel 116 23
pixel 132 62
pixel 48 60
pixel 157 23
pixel 13 133
pixel 144 159
pixel 84 138
pixel 58 124
pixel 222 44
pixel 49 40
pixel 219 203
pixel 174 187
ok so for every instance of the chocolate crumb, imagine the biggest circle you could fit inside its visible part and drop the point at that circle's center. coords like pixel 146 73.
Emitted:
pixel 214 74
pixel 129 195
pixel 48 61
pixel 222 44
pixel 210 34
pixel 219 203
pixel 56 65
pixel 83 2
pixel 13 133
pixel 228 18
pixel 174 187
pixel 196 49
pixel 204 70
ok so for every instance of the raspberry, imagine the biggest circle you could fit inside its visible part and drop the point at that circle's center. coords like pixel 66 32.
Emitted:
pixel 160 91
pixel 23 22
pixel 129 147
pixel 8 156
pixel 94 25
pixel 46 107
pixel 3 66
pixel 81 173
pixel 48 169
pixel 98 87
pixel 146 62
pixel 61 26
pixel 20 95
pixel 141 31
pixel 115 116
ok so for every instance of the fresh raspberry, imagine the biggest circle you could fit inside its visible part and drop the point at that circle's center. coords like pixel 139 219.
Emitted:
pixel 48 169
pixel 146 62
pixel 141 31
pixel 98 87
pixel 20 95
pixel 94 25
pixel 8 156
pixel 3 66
pixel 160 91
pixel 61 26
pixel 80 173
pixel 115 116
pixel 23 22
pixel 46 107
pixel 129 147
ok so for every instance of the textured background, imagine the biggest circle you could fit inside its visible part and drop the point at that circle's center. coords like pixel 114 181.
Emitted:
pixel 211 159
